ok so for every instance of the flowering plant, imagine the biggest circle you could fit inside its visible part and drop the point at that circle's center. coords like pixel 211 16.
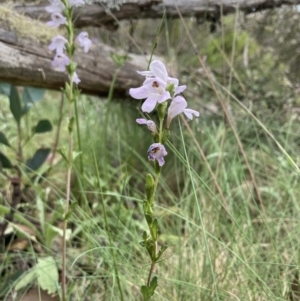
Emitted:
pixel 164 93
pixel 62 14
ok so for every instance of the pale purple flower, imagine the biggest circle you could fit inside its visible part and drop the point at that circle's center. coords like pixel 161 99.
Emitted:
pixel 150 124
pixel 55 7
pixel 158 69
pixel 75 78
pixel 154 90
pixel 58 44
pixel 178 106
pixel 60 61
pixel 57 19
pixel 84 41
pixel 189 113
pixel 157 151
pixel 180 89
pixel 76 3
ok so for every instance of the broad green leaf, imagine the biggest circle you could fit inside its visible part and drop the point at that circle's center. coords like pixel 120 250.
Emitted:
pixel 38 159
pixel 4 161
pixel 26 280
pixel 47 274
pixel 15 104
pixel 5 88
pixel 3 139
pixel 43 126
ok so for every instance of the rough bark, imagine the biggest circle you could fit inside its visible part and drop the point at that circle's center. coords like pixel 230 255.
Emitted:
pixel 96 15
pixel 28 62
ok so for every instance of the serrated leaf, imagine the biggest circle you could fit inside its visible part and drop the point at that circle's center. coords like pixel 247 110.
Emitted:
pixel 15 104
pixel 3 139
pixel 27 279
pixel 43 126
pixel 47 274
pixel 4 161
pixel 38 159
pixel 5 88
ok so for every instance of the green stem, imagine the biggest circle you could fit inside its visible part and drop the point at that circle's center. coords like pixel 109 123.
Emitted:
pixel 65 224
pixel 81 166
pixel 151 269
pixel 157 176
pixel 69 91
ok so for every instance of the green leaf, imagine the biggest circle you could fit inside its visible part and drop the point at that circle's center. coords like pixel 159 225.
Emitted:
pixel 163 248
pixel 31 96
pixel 43 126
pixel 5 88
pixel 149 187
pixel 38 159
pixel 148 291
pixel 144 291
pixel 47 274
pixel 4 161
pixel 27 279
pixel 145 235
pixel 15 104
pixel 148 218
pixel 3 139
pixel 154 228
pixel 153 286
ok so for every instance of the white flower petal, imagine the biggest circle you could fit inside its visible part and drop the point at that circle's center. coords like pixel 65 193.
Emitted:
pixel 173 81
pixel 189 113
pixel 177 106
pixel 149 104
pixel 139 93
pixel 163 97
pixel 180 89
pixel 159 70
pixel 141 121
pixel 145 73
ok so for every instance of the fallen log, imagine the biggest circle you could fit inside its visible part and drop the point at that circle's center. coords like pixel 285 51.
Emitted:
pixel 27 61
pixel 97 14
